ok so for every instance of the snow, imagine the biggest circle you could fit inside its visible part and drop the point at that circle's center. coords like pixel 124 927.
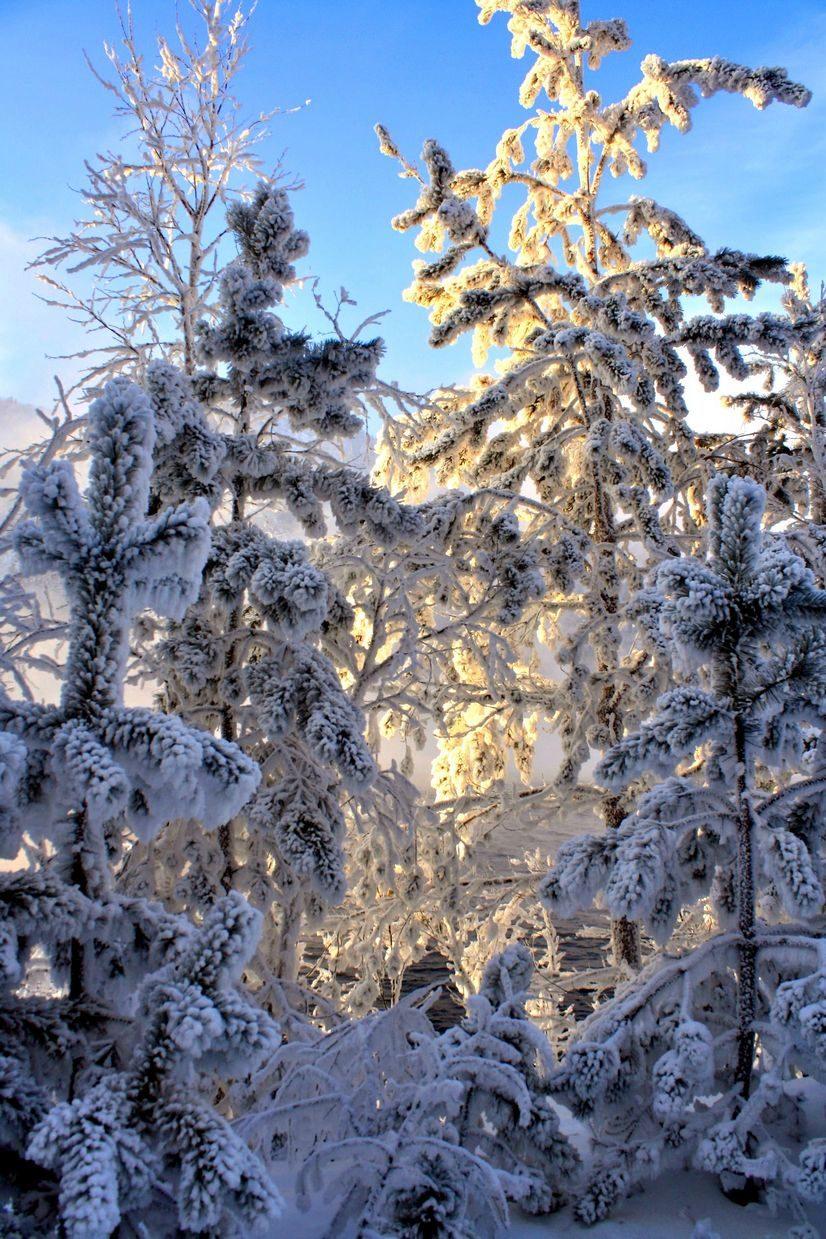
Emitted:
pixel 668 1209
pixel 553 474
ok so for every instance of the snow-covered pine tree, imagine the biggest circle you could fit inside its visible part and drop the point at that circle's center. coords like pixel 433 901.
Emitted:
pixel 712 1056
pixel 587 410
pixel 246 433
pixel 154 238
pixel 250 432
pixel 422 1133
pixel 117 1015
pixel 784 438
pixel 140 266
pixel 498 1031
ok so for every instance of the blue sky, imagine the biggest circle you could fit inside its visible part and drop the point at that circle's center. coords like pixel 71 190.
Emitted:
pixel 425 68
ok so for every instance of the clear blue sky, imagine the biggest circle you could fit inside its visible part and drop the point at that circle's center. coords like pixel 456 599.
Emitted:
pixel 425 68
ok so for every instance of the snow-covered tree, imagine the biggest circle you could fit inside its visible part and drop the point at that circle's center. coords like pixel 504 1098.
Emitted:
pixel 153 221
pixel 265 653
pixel 140 266
pixel 117 1015
pixel 784 438
pixel 245 658
pixel 266 450
pixel 419 1133
pixel 586 412
pixel 712 1056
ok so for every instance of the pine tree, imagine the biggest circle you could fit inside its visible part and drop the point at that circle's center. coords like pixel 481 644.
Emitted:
pixel 588 410
pixel 706 1051
pixel 108 1093
pixel 245 658
pixel 784 438
pixel 418 1133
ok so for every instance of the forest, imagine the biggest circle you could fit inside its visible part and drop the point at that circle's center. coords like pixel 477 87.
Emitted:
pixel 412 801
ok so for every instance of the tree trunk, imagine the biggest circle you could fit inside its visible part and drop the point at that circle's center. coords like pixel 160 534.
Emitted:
pixel 292 917
pixel 625 943
pixel 77 970
pixel 747 948
pixel 225 844
pixel 625 935
pixel 77 950
pixel 228 729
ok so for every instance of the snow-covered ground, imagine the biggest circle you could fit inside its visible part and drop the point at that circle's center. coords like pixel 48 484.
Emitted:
pixel 669 1209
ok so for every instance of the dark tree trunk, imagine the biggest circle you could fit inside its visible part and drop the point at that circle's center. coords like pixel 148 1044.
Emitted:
pixel 225 832
pixel 625 943
pixel 228 729
pixel 77 950
pixel 747 947
pixel 625 935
